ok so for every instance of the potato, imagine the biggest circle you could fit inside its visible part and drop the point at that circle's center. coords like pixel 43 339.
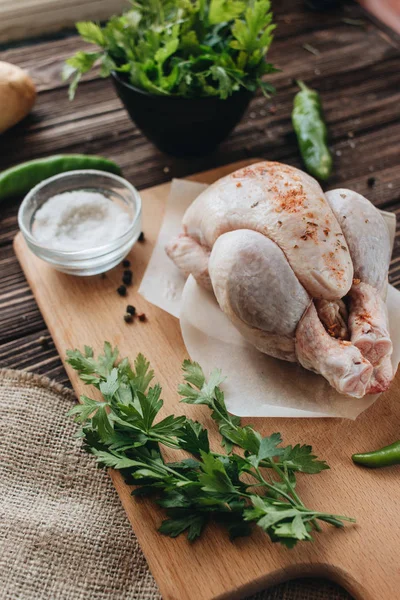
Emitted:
pixel 17 95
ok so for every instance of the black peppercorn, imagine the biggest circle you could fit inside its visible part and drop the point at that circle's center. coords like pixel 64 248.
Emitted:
pixel 121 290
pixel 126 263
pixel 127 277
pixel 141 237
pixel 131 310
pixel 128 318
pixel 371 181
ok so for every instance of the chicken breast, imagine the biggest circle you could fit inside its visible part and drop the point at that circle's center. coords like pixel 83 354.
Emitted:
pixel 287 206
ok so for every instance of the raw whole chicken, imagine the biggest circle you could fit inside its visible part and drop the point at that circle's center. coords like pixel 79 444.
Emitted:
pixel 301 274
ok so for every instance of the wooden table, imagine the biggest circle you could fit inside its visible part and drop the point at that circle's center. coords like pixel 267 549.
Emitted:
pixel 357 71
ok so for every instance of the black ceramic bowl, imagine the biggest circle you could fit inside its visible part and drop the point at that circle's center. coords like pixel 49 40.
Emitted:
pixel 182 126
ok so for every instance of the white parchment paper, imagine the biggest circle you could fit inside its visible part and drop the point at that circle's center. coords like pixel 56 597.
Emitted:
pixel 256 385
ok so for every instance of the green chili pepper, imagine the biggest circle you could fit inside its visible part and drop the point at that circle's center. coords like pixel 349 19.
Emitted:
pixel 385 457
pixel 311 132
pixel 18 180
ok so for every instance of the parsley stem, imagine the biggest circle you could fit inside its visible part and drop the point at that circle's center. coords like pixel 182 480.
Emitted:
pixel 286 479
pixel 224 418
pixel 274 488
pixel 156 466
pixel 330 518
pixel 170 442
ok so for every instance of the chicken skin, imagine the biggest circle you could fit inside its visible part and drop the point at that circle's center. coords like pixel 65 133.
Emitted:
pixel 285 261
pixel 287 206
pixel 368 240
pixel 257 289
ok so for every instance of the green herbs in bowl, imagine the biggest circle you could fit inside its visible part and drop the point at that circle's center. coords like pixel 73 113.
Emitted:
pixel 184 69
pixel 187 48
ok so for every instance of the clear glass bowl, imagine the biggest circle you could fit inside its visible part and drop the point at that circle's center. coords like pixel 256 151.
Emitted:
pixel 89 261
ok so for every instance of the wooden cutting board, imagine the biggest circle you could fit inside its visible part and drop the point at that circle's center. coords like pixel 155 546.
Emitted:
pixel 363 558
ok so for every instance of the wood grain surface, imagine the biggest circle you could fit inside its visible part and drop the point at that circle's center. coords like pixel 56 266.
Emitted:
pixel 362 558
pixel 26 18
pixel 357 72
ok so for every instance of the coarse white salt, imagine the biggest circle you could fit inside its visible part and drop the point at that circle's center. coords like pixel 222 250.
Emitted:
pixel 79 220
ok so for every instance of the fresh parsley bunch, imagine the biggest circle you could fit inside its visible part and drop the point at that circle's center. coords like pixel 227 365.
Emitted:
pixel 237 490
pixel 186 48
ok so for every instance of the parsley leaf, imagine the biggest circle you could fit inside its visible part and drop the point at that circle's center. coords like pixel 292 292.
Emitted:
pixel 184 520
pixel 85 363
pixel 194 438
pixel 300 458
pixel 196 390
pixel 193 373
pixel 214 478
pixel 91 32
pixel 142 374
pixel 221 11
pixel 267 449
pixel 254 32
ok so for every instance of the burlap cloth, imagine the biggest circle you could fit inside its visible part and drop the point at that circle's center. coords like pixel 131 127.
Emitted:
pixel 63 532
